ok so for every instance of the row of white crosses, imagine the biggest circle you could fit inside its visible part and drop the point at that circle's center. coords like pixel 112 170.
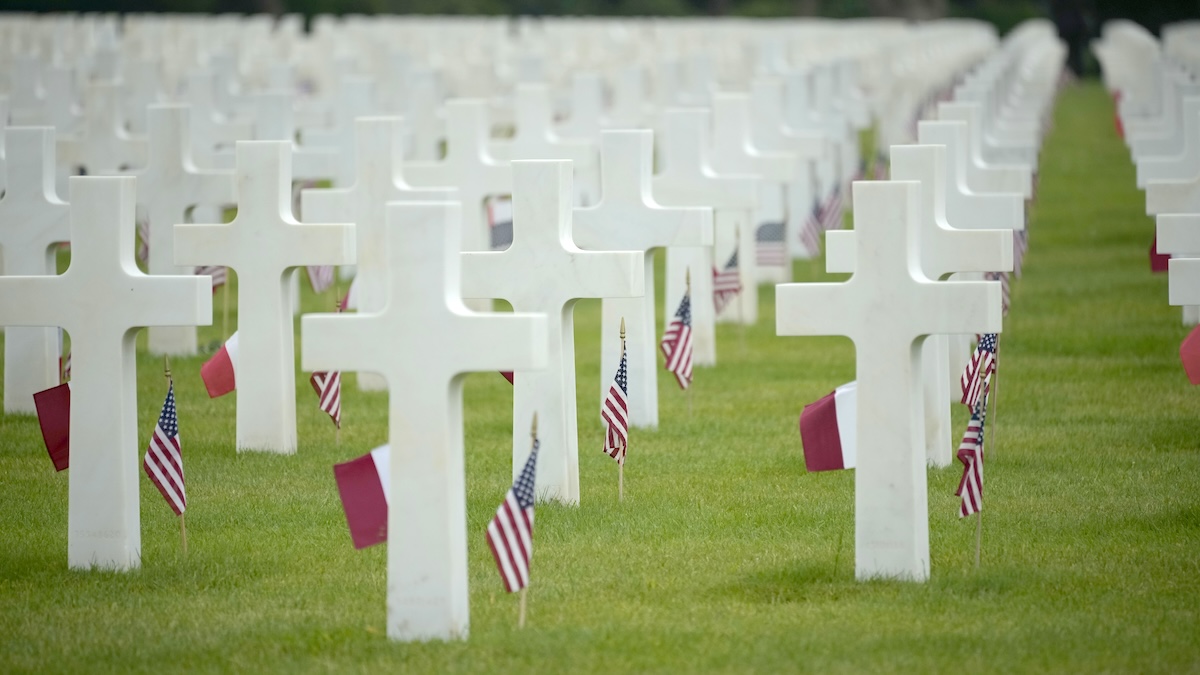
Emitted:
pixel 895 308
pixel 1160 116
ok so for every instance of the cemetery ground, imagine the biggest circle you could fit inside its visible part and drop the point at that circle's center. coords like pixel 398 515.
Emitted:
pixel 725 554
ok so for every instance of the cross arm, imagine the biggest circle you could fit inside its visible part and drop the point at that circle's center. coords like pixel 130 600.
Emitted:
pixel 1179 234
pixel 813 309
pixel 340 342
pixel 979 251
pixel 600 228
pixel 172 300
pixel 485 342
pixel 326 244
pixel 204 244
pixel 16 309
pixel 965 307
pixel 1184 281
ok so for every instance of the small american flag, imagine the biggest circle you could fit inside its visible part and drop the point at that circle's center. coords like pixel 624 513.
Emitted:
pixel 66 368
pixel 163 462
pixel 510 534
pixel 614 412
pixel 831 214
pixel 770 248
pixel 880 170
pixel 676 344
pixel 1020 245
pixel 328 386
pixel 970 453
pixel 810 234
pixel 975 375
pixel 726 283
pixel 219 275
pixel 320 276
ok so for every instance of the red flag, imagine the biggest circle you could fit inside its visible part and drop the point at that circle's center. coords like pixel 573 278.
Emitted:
pixel 1189 353
pixel 1158 261
pixel 828 431
pixel 362 485
pixel 54 417
pixel 218 372
pixel 507 375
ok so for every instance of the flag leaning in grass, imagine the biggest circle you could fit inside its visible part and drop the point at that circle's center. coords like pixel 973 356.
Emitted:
pixel 726 283
pixel 363 485
pixel 980 367
pixel 54 417
pixel 164 462
pixel 510 534
pixel 829 432
pixel 328 386
pixel 219 372
pixel 614 412
pixel 676 344
pixel 970 453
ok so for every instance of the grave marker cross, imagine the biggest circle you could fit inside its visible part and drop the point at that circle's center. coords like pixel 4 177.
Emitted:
pixel 101 301
pixel 543 271
pixel 32 220
pixel 168 186
pixel 263 243
pixel 884 308
pixel 422 340
pixel 628 219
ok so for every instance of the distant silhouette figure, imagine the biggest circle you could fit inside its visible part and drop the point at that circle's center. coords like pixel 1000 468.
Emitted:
pixel 1069 17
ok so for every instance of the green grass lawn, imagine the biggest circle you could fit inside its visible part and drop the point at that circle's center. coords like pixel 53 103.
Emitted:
pixel 725 555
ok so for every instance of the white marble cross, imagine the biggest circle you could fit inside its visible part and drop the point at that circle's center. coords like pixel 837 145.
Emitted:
pixel 1179 235
pixel 1186 160
pixel 943 249
pixel 734 153
pixel 168 186
pixel 963 203
pixel 353 100
pixel 628 219
pixel 274 120
pixel 543 271
pixel 102 146
pixel 378 155
pixel 101 301
pixel 535 139
pixel 688 180
pixel 32 220
pixel 422 340
pixel 263 243
pixel 467 166
pixel 212 132
pixel 885 308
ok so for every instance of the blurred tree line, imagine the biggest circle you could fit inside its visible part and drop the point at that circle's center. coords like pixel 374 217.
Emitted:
pixel 1003 13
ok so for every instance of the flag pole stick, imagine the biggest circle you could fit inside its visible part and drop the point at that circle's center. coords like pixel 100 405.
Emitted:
pixel 688 292
pixel 337 307
pixel 225 308
pixel 182 526
pixel 521 617
pixel 621 462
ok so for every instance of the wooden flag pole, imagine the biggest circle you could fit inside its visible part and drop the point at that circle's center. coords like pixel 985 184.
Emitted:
pixel 225 308
pixel 533 434
pixel 337 307
pixel 621 464
pixel 688 280
pixel 182 524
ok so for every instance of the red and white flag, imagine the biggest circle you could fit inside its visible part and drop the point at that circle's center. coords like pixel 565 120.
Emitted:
pixel 979 369
pixel 510 533
pixel 350 299
pixel 218 372
pixel 970 453
pixel 726 283
pixel 1189 354
pixel 614 412
pixel 676 344
pixel 810 233
pixel 363 487
pixel 831 213
pixel 328 386
pixel 828 431
pixel 164 461
pixel 54 417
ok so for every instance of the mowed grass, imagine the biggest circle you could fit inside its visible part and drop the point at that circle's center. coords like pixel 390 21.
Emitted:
pixel 725 555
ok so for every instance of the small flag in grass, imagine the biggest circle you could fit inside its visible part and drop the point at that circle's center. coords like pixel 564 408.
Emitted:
pixel 363 487
pixel 828 431
pixel 54 417
pixel 510 533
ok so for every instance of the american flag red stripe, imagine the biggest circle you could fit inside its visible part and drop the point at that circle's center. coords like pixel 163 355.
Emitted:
pixel 143 243
pixel 328 386
pixel 831 214
pixel 614 412
pixel 970 453
pixel 510 532
pixel 810 233
pixel 676 344
pixel 164 461
pixel 975 376
pixel 726 283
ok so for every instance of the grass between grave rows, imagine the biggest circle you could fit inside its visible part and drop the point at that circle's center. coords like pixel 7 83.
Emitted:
pixel 726 555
